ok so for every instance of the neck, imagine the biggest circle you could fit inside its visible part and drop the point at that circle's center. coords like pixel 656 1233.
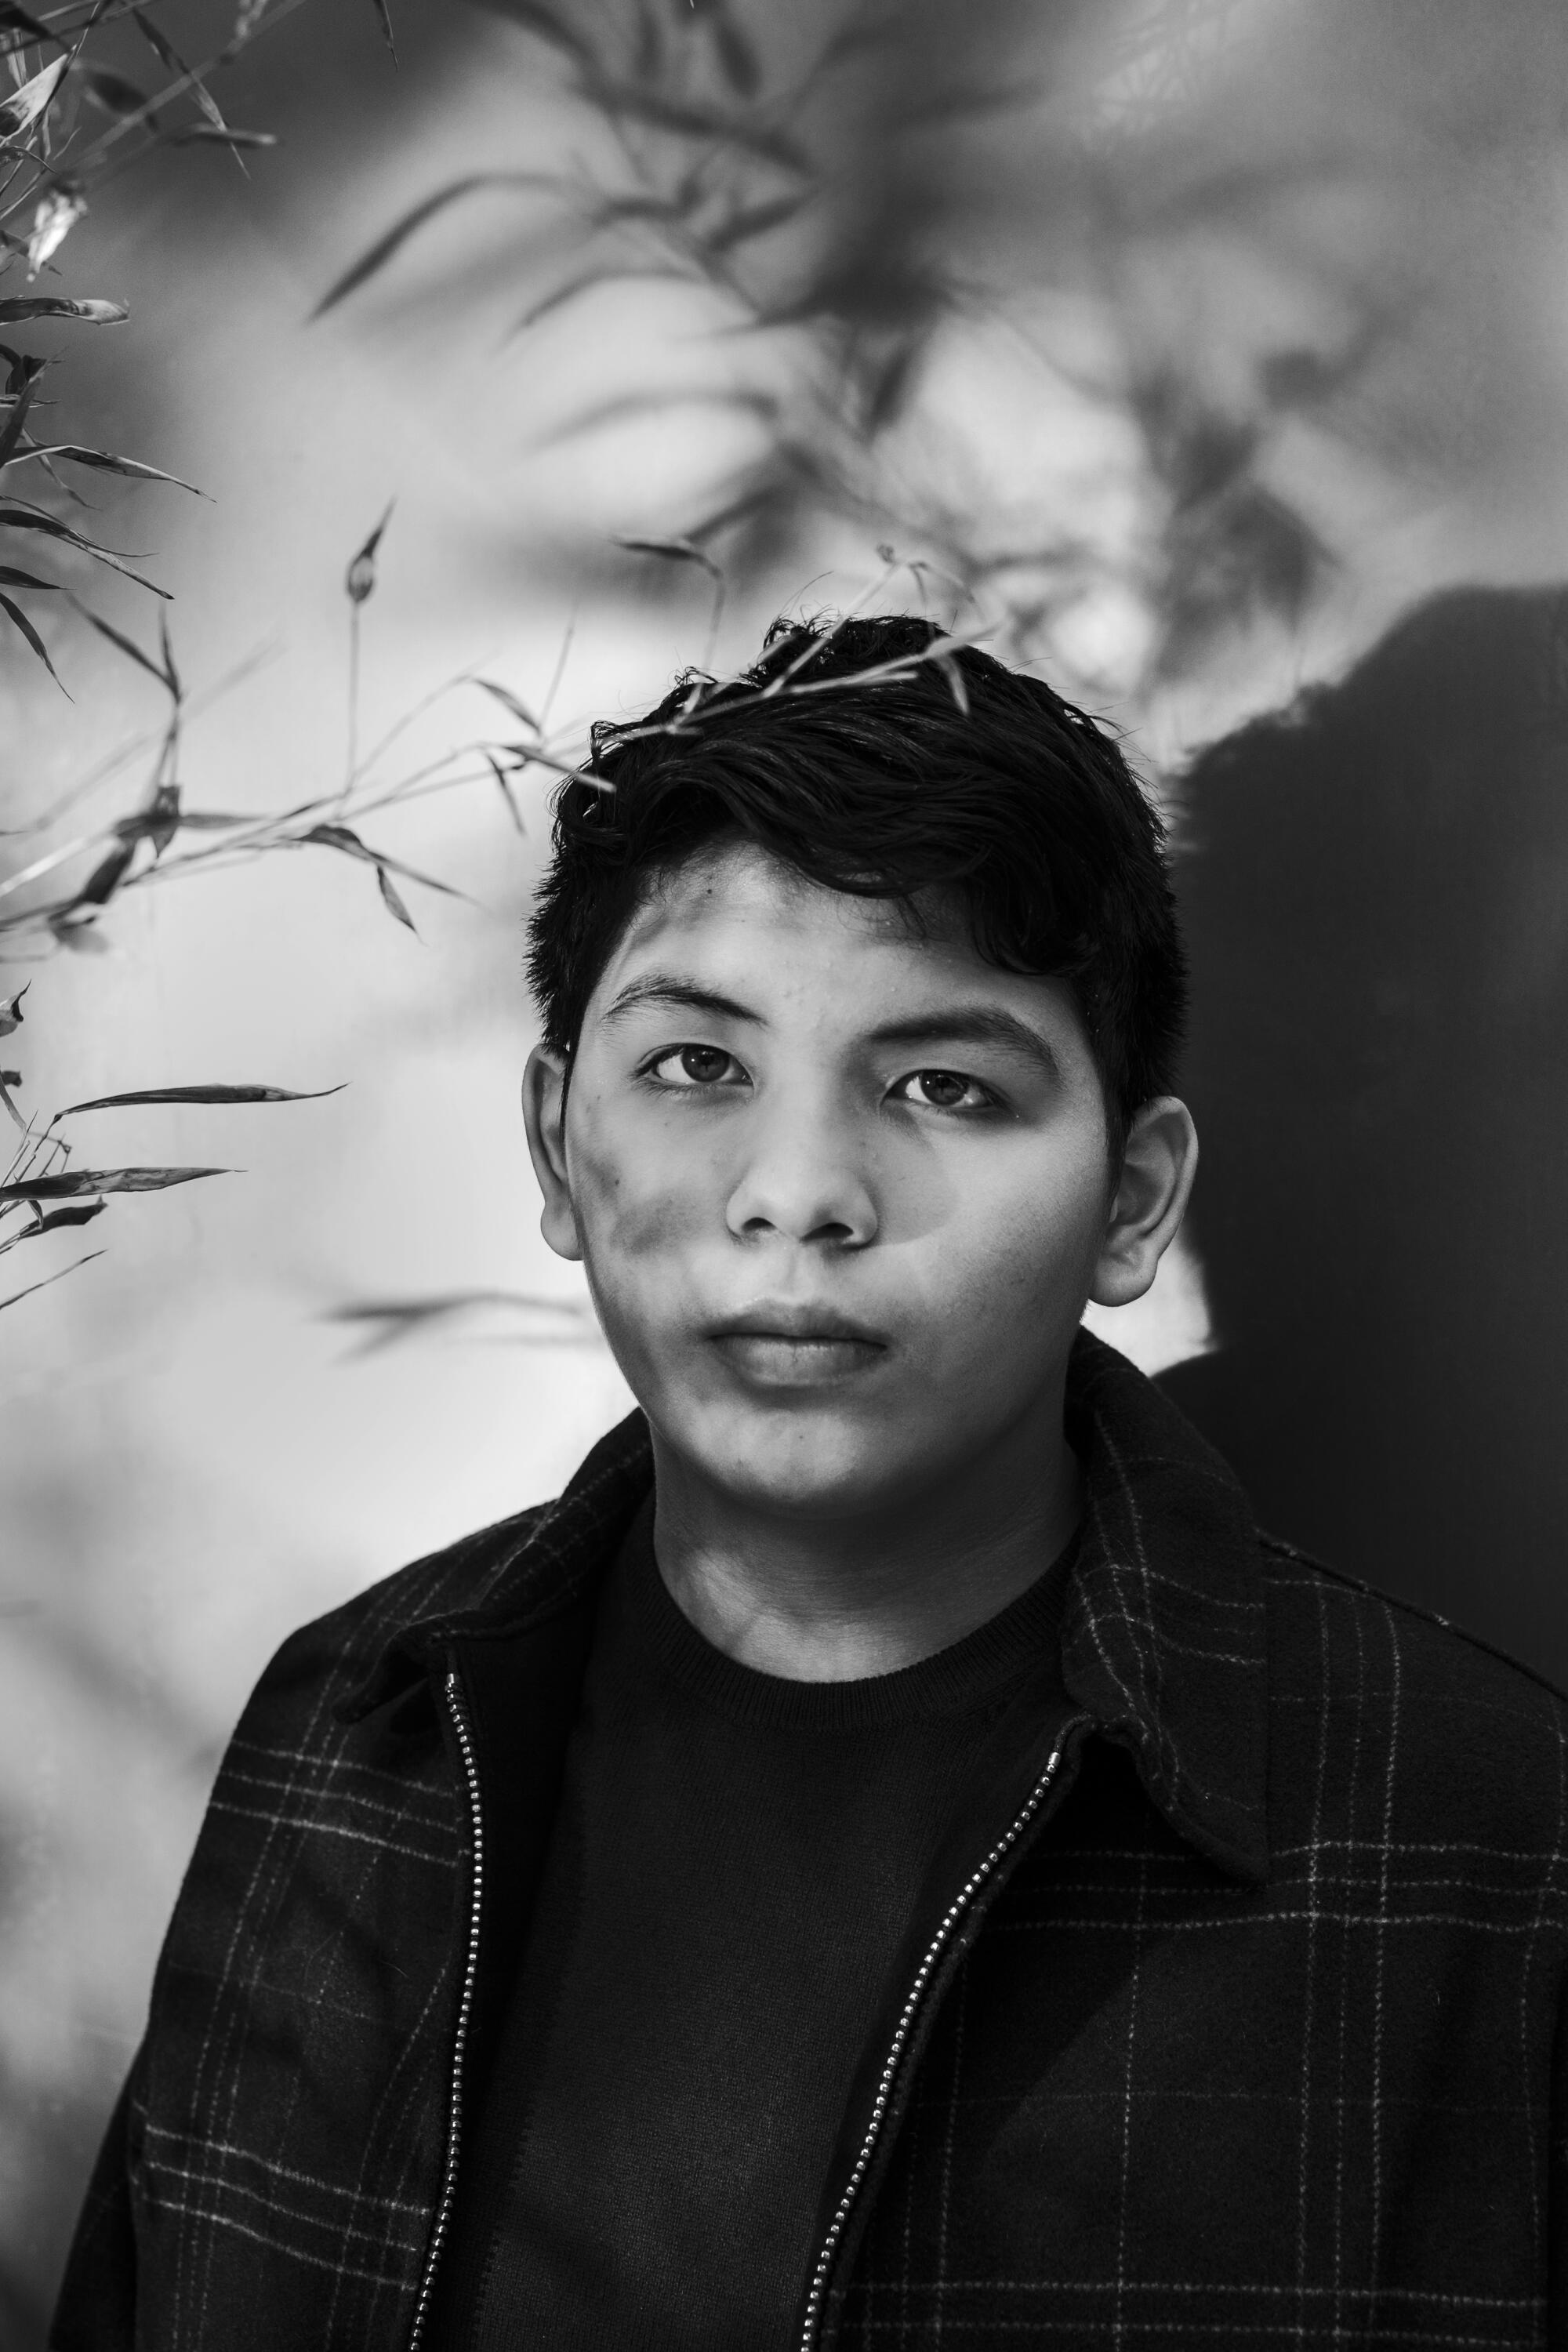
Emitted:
pixel 836 1600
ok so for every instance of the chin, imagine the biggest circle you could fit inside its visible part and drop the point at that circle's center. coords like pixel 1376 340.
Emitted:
pixel 810 1465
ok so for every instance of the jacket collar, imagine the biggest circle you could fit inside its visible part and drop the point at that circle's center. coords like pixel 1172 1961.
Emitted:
pixel 1164 1637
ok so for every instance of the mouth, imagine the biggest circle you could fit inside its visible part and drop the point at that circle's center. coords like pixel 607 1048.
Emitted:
pixel 775 1346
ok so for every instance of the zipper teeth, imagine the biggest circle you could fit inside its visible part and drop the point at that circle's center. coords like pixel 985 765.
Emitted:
pixel 465 2005
pixel 912 2010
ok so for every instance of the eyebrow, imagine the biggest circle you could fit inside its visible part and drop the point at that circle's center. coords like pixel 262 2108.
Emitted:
pixel 673 987
pixel 971 1024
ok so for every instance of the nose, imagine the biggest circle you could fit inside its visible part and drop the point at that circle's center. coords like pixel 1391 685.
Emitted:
pixel 802 1180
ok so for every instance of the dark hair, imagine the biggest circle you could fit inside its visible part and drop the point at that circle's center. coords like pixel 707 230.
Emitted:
pixel 877 759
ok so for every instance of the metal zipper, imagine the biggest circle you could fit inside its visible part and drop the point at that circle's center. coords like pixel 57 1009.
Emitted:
pixel 911 2012
pixel 465 2005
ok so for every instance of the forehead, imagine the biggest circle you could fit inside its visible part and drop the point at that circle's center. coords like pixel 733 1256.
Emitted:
pixel 740 919
pixel 735 891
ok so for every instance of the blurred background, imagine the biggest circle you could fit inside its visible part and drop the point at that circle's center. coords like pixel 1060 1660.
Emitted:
pixel 1210 354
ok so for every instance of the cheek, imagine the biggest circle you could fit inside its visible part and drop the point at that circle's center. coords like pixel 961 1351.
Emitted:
pixel 1020 1259
pixel 632 1203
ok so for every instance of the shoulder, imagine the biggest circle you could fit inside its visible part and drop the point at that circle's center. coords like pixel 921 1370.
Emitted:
pixel 321 1665
pixel 1403 1711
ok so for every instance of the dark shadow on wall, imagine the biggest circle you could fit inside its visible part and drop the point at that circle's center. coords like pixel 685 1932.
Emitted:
pixel 1376 890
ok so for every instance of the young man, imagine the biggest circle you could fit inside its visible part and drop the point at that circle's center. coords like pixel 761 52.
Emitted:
pixel 891 1856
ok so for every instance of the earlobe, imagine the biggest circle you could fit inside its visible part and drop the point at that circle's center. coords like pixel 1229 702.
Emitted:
pixel 544 1117
pixel 1157 1172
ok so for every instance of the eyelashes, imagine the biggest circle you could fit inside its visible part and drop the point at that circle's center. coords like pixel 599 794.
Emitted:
pixel 710 1069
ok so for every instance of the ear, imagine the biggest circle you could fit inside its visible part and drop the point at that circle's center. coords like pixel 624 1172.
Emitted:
pixel 544 1116
pixel 1157 1172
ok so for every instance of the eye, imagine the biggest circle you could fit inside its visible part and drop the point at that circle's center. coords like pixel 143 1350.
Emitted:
pixel 944 1090
pixel 689 1067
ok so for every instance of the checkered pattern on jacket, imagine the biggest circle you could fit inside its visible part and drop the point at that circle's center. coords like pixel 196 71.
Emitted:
pixel 1257 2042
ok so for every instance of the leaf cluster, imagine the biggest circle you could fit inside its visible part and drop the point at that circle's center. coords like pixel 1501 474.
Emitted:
pixel 77 113
pixel 41 1192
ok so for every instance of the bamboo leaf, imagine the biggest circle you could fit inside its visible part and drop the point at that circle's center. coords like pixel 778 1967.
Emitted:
pixel 17 418
pixel 12 579
pixel 80 1212
pixel 390 1319
pixel 107 876
pixel 32 519
pixel 19 621
pixel 674 551
pixel 209 134
pixel 215 1094
pixel 59 306
pixel 737 58
pixel 114 92
pixel 371 263
pixel 11 1014
pixel 104 461
pixel 25 106
pixel 126 644
pixel 509 701
pixel 60 1276
pixel 505 789
pixel 14 20
pixel 342 837
pixel 395 905
pixel 75 1183
pixel 358 581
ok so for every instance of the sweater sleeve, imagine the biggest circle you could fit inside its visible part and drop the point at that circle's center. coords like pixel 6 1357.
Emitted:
pixel 97 2306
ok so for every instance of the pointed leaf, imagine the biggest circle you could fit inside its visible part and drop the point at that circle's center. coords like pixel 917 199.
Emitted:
pixel 14 20
pixel 360 578
pixel 161 819
pixel 383 18
pixel 341 836
pixel 215 1094
pixel 76 927
pixel 505 789
pixel 22 107
pixel 60 1276
pixel 112 91
pixel 388 1319
pixel 31 518
pixel 10 579
pixel 75 1183
pixel 675 550
pixel 382 251
pixel 171 675
pixel 103 461
pixel 106 877
pixel 737 57
pixel 80 1212
pixel 59 306
pixel 19 621
pixel 107 629
pixel 395 905
pixel 11 1014
pixel 209 134
pixel 509 701
pixel 12 433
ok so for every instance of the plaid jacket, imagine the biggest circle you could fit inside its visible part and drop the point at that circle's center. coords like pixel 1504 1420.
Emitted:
pixel 1232 2011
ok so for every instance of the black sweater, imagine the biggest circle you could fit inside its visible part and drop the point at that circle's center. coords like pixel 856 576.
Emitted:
pixel 732 1869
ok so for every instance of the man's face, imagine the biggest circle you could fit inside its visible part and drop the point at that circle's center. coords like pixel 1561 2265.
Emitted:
pixel 840 1191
